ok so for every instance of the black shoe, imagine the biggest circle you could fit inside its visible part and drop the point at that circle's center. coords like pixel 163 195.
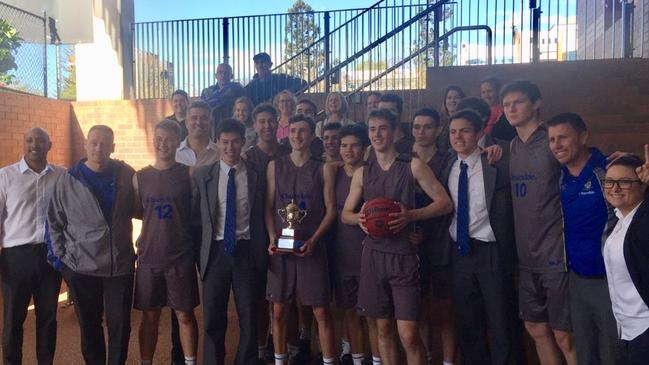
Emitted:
pixel 305 346
pixel 269 354
pixel 302 358
pixel 346 359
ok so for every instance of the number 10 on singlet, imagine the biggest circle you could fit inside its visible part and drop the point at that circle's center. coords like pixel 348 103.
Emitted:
pixel 520 190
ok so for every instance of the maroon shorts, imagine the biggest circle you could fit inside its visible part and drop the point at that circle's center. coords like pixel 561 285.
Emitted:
pixel 346 290
pixel 543 297
pixel 175 287
pixel 305 277
pixel 389 286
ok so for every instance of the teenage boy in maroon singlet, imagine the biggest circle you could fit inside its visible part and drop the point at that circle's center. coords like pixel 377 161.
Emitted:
pixel 347 243
pixel 435 258
pixel 389 280
pixel 308 182
pixel 331 141
pixel 266 149
pixel 165 274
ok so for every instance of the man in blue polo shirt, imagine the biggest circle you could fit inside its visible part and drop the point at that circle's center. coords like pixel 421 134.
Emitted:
pixel 587 218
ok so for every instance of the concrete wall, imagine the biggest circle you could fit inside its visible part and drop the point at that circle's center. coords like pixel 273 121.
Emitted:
pixel 611 95
pixel 104 66
pixel 595 33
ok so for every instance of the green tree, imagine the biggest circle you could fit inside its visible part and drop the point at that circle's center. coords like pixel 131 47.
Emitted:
pixel 69 84
pixel 301 32
pixel 427 35
pixel 9 42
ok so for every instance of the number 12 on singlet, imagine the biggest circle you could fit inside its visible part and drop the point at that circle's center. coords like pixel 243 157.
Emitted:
pixel 164 211
pixel 520 189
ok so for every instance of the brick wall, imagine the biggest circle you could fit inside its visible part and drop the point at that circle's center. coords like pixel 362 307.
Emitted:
pixel 612 96
pixel 19 112
pixel 131 120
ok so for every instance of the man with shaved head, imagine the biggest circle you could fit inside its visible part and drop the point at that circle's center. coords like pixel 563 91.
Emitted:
pixel 221 96
pixel 25 191
pixel 90 235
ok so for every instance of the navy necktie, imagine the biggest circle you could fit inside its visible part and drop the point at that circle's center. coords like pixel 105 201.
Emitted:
pixel 230 226
pixel 463 245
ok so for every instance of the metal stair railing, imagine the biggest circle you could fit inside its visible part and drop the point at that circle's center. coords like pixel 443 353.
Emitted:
pixel 327 74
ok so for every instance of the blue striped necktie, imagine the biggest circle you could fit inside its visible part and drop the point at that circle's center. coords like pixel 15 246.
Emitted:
pixel 463 245
pixel 230 226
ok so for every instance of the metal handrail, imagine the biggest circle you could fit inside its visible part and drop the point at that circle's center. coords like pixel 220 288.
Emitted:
pixel 486 28
pixel 323 38
pixel 434 42
pixel 374 44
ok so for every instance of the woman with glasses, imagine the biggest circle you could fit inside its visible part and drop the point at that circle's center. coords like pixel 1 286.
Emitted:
pixel 626 255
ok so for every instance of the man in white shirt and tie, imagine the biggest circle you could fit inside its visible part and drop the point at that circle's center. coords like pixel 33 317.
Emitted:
pixel 25 191
pixel 229 196
pixel 483 252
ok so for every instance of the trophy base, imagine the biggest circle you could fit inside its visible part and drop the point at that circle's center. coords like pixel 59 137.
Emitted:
pixel 288 245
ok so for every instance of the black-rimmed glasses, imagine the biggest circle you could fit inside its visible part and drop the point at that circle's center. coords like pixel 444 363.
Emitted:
pixel 624 184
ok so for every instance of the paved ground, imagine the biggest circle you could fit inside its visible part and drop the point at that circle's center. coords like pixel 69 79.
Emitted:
pixel 68 345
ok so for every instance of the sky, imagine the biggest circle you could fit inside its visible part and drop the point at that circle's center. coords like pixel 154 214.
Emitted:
pixel 152 10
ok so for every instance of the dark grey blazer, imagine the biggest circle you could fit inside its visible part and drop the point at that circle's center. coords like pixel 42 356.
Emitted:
pixel 205 210
pixel 499 200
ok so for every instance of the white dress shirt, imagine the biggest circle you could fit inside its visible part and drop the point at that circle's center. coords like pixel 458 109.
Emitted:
pixel 241 186
pixel 186 156
pixel 24 197
pixel 479 225
pixel 630 311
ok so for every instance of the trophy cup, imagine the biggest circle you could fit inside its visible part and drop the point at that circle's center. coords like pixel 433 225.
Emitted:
pixel 290 240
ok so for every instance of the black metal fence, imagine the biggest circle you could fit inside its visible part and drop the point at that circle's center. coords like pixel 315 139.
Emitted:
pixel 23 50
pixel 386 46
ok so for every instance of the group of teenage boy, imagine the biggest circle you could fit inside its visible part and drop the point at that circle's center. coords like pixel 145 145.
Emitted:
pixel 490 232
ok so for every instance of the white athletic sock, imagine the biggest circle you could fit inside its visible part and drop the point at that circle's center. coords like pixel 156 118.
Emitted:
pixel 190 360
pixel 357 359
pixel 328 361
pixel 305 333
pixel 146 362
pixel 376 361
pixel 280 359
pixel 444 362
pixel 261 351
pixel 429 358
pixel 346 346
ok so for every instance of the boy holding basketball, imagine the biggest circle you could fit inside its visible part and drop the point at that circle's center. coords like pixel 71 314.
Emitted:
pixel 389 279
pixel 306 181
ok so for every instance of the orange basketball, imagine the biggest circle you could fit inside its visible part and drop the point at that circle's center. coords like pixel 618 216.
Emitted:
pixel 377 216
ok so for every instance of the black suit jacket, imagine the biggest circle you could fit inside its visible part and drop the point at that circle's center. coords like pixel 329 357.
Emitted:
pixel 499 200
pixel 636 250
pixel 205 211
